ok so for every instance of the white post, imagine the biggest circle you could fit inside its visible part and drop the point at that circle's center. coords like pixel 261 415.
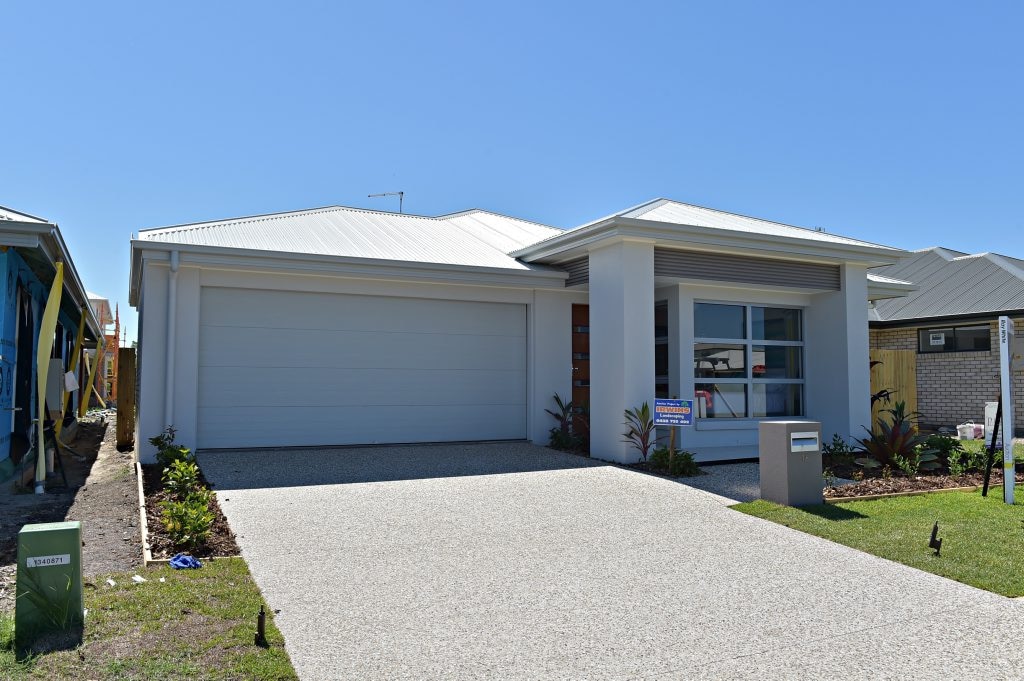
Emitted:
pixel 1006 365
pixel 621 343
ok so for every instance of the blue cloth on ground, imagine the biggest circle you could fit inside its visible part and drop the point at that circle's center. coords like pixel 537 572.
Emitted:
pixel 183 561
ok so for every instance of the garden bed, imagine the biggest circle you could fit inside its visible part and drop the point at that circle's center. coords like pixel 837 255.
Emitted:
pixel 157 543
pixel 896 484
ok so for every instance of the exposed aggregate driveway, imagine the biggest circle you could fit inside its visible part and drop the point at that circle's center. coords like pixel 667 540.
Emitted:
pixel 514 561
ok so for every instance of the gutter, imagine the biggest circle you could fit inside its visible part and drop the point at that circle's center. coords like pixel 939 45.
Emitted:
pixel 947 319
pixel 537 276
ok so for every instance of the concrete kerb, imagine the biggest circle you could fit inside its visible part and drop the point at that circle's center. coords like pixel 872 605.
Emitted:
pixel 147 553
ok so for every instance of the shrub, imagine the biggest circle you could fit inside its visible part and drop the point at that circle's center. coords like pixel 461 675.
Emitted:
pixel 181 479
pixel 838 447
pixel 900 437
pixel 683 465
pixel 640 429
pixel 957 461
pixel 188 522
pixel 943 445
pixel 917 460
pixel 659 458
pixel 168 452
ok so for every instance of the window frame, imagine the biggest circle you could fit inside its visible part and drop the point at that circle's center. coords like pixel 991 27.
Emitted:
pixel 749 342
pixel 929 329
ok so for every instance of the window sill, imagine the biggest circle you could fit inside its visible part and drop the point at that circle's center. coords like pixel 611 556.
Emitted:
pixel 740 424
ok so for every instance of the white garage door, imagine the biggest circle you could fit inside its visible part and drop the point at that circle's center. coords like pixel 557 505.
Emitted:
pixel 279 368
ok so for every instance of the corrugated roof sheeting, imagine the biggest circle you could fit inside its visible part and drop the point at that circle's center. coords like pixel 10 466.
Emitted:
pixel 963 285
pixel 473 238
pixel 664 210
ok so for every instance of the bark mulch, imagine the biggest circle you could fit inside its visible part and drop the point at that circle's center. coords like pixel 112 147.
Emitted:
pixel 221 542
pixel 919 483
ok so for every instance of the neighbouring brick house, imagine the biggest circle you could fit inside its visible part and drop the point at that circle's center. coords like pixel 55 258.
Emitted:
pixel 950 323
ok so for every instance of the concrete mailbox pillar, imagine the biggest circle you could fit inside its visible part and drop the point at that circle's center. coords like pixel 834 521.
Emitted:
pixel 49 585
pixel 790 454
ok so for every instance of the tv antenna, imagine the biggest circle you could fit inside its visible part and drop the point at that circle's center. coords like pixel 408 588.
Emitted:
pixel 400 195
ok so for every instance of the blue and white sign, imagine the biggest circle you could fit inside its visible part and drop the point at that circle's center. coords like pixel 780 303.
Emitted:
pixel 673 412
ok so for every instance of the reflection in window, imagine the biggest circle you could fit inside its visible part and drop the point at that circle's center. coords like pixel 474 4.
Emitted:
pixel 747 361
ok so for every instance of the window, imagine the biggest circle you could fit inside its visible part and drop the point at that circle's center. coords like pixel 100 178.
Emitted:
pixel 955 339
pixel 747 361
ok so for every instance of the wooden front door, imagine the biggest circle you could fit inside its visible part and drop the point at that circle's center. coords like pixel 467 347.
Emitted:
pixel 580 363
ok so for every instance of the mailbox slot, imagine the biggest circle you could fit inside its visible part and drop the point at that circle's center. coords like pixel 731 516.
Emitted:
pixel 803 442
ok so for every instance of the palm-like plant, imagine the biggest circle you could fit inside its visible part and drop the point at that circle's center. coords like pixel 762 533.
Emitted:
pixel 640 429
pixel 899 438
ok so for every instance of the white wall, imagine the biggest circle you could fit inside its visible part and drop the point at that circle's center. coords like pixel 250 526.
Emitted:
pixel 621 342
pixel 549 335
pixel 838 373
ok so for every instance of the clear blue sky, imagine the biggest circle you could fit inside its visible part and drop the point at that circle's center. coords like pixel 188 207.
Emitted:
pixel 900 123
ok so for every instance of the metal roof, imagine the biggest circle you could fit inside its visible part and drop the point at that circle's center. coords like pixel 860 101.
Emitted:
pixel 665 210
pixel 18 216
pixel 471 238
pixel 952 284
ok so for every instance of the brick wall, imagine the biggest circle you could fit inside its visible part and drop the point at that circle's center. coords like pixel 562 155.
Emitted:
pixel 952 387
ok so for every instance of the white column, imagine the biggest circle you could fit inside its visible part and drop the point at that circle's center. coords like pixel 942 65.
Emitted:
pixel 621 342
pixel 838 377
pixel 550 324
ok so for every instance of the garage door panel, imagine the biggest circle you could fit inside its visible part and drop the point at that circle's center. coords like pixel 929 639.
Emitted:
pixel 220 346
pixel 326 311
pixel 355 387
pixel 316 426
pixel 281 368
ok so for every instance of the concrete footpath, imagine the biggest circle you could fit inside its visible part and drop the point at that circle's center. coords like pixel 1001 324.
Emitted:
pixel 513 561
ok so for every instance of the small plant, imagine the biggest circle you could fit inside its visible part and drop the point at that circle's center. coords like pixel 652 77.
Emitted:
pixel 188 522
pixel 898 437
pixel 886 472
pixel 167 451
pixel 957 461
pixel 838 447
pixel 564 435
pixel 660 458
pixel 165 439
pixel 640 430
pixel 830 477
pixel 181 479
pixel 683 465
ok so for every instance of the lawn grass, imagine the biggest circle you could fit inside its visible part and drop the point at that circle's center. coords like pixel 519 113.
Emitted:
pixel 198 624
pixel 983 538
pixel 975 446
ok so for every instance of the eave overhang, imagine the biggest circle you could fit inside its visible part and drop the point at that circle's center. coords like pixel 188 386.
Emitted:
pixel 47 240
pixel 246 259
pixel 577 243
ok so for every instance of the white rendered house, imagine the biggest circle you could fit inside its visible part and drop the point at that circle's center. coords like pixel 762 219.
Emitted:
pixel 343 326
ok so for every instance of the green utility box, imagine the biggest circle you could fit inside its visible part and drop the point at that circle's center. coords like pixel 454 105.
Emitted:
pixel 49 589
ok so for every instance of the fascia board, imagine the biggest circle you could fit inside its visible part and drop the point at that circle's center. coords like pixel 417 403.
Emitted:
pixel 303 263
pixel 877 291
pixel 47 238
pixel 571 244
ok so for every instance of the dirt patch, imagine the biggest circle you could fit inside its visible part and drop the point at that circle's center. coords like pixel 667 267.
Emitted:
pixel 221 541
pixel 20 507
pixel 919 483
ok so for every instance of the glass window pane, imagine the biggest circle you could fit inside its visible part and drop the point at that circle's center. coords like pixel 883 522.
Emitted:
pixel 661 320
pixel 719 321
pixel 775 323
pixel 777 399
pixel 661 359
pixel 720 400
pixel 973 338
pixel 776 361
pixel 936 340
pixel 718 360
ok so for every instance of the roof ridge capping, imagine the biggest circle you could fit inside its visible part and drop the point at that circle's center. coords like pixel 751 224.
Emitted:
pixel 1004 262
